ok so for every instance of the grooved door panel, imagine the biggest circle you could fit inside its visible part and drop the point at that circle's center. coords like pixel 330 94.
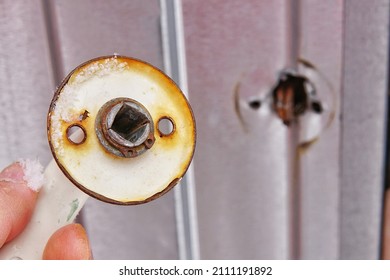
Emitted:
pixel 26 82
pixel 234 52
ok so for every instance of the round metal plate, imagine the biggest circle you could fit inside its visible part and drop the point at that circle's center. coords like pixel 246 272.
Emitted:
pixel 82 157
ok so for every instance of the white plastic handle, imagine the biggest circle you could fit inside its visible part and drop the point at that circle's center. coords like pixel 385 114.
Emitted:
pixel 58 204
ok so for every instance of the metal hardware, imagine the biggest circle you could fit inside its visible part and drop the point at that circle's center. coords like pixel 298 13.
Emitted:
pixel 124 127
pixel 115 103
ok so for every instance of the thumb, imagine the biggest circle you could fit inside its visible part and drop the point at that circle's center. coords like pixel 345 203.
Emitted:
pixel 68 243
pixel 17 198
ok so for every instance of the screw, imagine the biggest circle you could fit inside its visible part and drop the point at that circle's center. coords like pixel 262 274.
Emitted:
pixel 124 127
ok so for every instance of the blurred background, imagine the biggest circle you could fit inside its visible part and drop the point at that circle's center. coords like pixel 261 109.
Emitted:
pixel 257 189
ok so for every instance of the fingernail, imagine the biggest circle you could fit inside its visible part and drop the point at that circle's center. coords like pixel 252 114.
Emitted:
pixel 25 171
pixel 13 173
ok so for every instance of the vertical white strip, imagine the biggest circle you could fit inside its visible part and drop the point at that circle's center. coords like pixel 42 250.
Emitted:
pixel 182 63
pixel 165 38
pixel 51 25
pixel 181 240
pixel 190 176
pixel 175 66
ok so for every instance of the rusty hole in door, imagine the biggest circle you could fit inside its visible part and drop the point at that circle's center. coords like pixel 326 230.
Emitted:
pixel 292 96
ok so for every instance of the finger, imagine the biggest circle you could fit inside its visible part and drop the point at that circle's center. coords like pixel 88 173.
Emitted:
pixel 17 201
pixel 68 243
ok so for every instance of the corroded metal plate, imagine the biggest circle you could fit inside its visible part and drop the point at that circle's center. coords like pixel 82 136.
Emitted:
pixel 87 163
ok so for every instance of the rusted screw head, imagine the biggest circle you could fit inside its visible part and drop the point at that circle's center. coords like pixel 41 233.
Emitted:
pixel 124 127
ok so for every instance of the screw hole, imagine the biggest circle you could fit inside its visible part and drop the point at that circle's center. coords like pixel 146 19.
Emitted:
pixel 76 134
pixel 255 104
pixel 317 107
pixel 166 126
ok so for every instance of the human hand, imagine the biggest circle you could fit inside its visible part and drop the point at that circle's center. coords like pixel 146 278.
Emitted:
pixel 17 202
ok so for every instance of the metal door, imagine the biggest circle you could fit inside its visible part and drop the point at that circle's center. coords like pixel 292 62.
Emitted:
pixel 255 190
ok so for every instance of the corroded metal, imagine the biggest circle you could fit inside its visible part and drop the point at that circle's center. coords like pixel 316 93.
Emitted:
pixel 292 96
pixel 124 158
pixel 124 127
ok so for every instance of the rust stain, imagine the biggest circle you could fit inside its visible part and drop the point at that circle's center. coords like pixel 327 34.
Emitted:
pixel 237 107
pixel 84 115
pixel 86 125
pixel 305 146
pixel 306 63
pixel 283 104
pixel 290 97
